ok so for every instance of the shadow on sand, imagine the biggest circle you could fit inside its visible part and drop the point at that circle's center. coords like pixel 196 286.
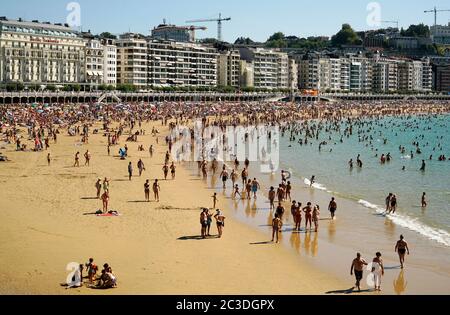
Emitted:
pixel 262 243
pixel 349 291
pixel 89 198
pixel 195 238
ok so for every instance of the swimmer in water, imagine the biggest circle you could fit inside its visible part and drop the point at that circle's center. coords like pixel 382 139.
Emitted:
pixel 313 180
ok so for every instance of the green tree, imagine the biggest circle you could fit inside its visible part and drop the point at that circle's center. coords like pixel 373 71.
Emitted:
pixel 107 35
pixel 277 40
pixel 419 30
pixel 244 41
pixel 346 36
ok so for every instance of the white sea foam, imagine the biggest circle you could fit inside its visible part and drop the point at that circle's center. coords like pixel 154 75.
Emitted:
pixel 413 224
pixel 315 185
pixel 406 157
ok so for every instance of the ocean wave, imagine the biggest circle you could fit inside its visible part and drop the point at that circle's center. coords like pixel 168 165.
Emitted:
pixel 315 185
pixel 406 157
pixel 413 224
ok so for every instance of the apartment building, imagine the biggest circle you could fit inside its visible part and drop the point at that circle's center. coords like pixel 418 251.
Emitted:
pixel 228 71
pixel 109 62
pixel 293 75
pixel 132 60
pixel 270 67
pixel 40 53
pixel 181 64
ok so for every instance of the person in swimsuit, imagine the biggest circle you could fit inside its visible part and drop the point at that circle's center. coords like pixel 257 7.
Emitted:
pixel 272 198
pixel 424 200
pixel 165 170
pixel 130 171
pixel 208 221
pixel 402 248
pixel 358 266
pixel 141 167
pixel 280 211
pixel 48 159
pixel 204 222
pixel 220 221
pixel 105 201
pixel 106 184
pixel 224 176
pixel 313 180
pixel 332 207
pixel 234 177
pixel 173 169
pixel 215 200
pixel 288 191
pixel 236 192
pixel 276 227
pixel 156 190
pixel 315 217
pixel 248 189
pixel 388 203
pixel 98 186
pixel 393 203
pixel 244 176
pixel 87 157
pixel 255 187
pixel 308 215
pixel 293 210
pixel 147 190
pixel 77 159
pixel 298 216
pixel 378 271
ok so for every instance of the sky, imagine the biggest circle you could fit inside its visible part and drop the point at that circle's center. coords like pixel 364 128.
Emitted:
pixel 257 19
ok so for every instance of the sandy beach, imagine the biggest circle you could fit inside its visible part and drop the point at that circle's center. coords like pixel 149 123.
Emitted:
pixel 153 248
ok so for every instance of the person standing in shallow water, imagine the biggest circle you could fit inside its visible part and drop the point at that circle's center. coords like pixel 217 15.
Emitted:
pixel 424 200
pixel 332 207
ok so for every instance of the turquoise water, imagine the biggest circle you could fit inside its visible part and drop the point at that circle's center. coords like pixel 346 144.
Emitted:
pixel 370 184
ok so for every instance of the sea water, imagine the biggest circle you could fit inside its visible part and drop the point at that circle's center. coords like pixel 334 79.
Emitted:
pixel 370 184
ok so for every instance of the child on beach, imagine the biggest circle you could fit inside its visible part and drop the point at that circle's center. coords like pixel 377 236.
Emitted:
pixel 215 200
pixel 236 191
pixel 92 269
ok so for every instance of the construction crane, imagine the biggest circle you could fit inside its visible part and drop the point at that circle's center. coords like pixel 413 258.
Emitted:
pixel 392 22
pixel 435 11
pixel 219 24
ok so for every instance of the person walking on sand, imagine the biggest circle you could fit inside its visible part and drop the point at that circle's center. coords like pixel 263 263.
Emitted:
pixel 215 200
pixel 224 176
pixel 276 228
pixel 280 211
pixel 234 177
pixel 401 248
pixel 87 157
pixel 248 189
pixel 156 190
pixel 173 170
pixel 92 269
pixel 236 192
pixel 48 159
pixel 147 190
pixel 377 270
pixel 98 186
pixel 165 171
pixel 77 160
pixel 288 191
pixel 272 194
pixel 255 187
pixel 105 201
pixel 358 266
pixel 332 207
pixel 130 171
pixel 308 215
pixel 141 167
pixel 424 200
pixel 315 217
pixel 220 221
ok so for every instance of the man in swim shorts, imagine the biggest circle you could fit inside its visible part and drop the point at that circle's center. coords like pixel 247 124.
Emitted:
pixel 401 248
pixel 358 266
